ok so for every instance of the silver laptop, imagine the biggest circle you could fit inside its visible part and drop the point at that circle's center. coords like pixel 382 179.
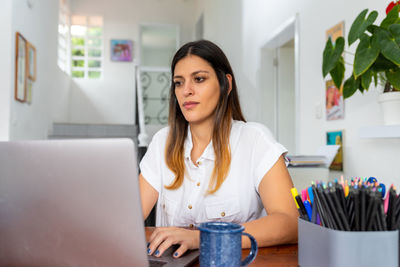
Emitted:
pixel 70 203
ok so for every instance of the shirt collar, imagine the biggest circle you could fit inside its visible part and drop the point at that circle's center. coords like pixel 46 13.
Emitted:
pixel 209 151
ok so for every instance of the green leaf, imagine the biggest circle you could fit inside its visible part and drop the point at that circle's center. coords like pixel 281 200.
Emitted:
pixel 394 29
pixel 350 86
pixel 389 48
pixel 371 28
pixel 382 64
pixel 337 73
pixel 360 24
pixel 393 77
pixel 366 79
pixel 391 17
pixel 332 54
pixel 375 79
pixel 366 54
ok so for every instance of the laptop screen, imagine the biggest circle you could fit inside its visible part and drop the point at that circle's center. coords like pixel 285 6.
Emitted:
pixel 70 203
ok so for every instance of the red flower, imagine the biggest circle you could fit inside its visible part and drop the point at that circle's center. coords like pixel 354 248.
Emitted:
pixel 391 5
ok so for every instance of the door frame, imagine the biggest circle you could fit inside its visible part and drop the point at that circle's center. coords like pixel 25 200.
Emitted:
pixel 284 33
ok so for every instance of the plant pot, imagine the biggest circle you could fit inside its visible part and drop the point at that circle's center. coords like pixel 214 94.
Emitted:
pixel 390 103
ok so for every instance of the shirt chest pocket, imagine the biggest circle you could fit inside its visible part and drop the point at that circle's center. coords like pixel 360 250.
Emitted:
pixel 169 207
pixel 226 210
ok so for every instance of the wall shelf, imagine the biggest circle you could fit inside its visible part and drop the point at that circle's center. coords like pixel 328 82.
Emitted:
pixel 388 131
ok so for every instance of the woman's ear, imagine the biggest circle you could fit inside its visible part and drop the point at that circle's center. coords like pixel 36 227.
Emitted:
pixel 229 78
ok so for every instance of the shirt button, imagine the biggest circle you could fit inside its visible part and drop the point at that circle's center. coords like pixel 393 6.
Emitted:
pixel 191 225
pixel 163 206
pixel 223 214
pixel 190 207
pixel 198 184
pixel 199 163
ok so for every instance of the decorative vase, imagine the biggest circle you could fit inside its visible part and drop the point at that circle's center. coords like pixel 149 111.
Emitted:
pixel 390 103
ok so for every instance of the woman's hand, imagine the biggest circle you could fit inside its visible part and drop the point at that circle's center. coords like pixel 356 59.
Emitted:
pixel 164 237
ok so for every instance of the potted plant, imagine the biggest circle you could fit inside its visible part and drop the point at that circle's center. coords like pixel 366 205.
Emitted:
pixel 377 59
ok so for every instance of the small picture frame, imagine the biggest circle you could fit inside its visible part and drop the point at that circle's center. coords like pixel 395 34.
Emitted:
pixel 31 53
pixel 336 138
pixel 121 50
pixel 21 72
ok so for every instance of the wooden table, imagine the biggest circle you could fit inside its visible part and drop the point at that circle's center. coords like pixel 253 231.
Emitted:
pixel 277 256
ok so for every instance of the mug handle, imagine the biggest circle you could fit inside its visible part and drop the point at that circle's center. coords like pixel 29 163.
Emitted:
pixel 253 252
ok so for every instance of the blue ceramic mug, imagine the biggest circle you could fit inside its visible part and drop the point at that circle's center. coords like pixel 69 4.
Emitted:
pixel 221 244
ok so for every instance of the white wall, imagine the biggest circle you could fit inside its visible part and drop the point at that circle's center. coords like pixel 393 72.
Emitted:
pixel 39 26
pixel 247 24
pixel 5 68
pixel 112 100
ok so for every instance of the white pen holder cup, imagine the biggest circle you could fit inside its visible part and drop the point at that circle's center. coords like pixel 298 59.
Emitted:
pixel 320 246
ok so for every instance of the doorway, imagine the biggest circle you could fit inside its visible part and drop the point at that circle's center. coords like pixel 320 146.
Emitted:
pixel 280 84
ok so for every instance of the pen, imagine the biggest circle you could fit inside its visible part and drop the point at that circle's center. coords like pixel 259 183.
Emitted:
pixel 340 211
pixel 310 194
pixel 356 209
pixel 302 208
pixel 314 212
pixel 340 195
pixel 308 209
pixel 372 210
pixel 299 204
pixel 362 208
pixel 329 198
pixel 303 195
pixel 321 213
pixel 329 218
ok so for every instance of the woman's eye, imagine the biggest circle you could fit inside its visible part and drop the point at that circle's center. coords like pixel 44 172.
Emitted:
pixel 199 79
pixel 177 83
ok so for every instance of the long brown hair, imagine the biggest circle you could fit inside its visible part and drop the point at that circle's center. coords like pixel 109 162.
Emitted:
pixel 228 108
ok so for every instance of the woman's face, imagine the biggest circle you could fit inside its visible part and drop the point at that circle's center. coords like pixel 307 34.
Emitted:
pixel 196 88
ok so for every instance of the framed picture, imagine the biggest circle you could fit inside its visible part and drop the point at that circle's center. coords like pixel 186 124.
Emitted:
pixel 121 50
pixel 31 50
pixel 334 96
pixel 20 68
pixel 29 91
pixel 335 31
pixel 336 138
pixel 334 104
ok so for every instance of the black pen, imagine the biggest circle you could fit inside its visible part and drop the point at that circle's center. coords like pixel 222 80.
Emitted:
pixel 341 197
pixel 356 209
pixel 342 215
pixel 373 213
pixel 391 209
pixel 325 206
pixel 317 201
pixel 333 208
pixel 362 208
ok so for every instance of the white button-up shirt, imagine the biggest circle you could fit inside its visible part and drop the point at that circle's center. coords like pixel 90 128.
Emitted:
pixel 253 152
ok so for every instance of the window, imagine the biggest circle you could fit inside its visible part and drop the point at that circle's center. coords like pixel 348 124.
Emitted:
pixel 86 47
pixel 63 37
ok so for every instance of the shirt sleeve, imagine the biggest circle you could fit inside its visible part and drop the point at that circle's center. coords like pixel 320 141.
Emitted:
pixel 266 153
pixel 150 165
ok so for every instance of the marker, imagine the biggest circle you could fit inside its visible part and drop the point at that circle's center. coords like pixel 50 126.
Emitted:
pixel 311 195
pixel 303 195
pixel 299 204
pixel 308 209
pixel 302 208
pixel 294 194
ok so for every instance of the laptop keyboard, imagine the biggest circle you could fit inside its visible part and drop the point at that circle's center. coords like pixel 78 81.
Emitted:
pixel 156 262
pixel 168 260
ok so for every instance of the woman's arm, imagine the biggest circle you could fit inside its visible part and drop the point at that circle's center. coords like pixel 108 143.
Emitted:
pixel 148 195
pixel 280 225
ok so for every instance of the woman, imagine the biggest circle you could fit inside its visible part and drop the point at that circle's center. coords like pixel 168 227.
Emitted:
pixel 209 164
